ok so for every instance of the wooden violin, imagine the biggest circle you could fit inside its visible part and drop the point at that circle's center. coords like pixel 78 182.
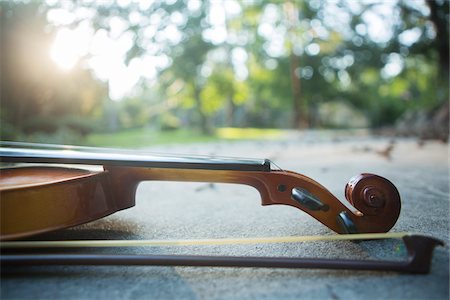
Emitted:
pixel 41 198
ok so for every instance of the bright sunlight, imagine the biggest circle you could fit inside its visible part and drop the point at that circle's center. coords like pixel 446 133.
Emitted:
pixel 68 47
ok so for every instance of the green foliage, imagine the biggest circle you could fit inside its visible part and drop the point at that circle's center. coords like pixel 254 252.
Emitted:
pixel 169 122
pixel 278 64
pixel 80 126
pixel 62 135
pixel 134 113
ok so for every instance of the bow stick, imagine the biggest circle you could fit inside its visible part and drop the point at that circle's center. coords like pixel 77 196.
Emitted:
pixel 420 249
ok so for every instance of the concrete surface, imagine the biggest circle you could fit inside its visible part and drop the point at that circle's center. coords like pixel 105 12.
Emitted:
pixel 197 210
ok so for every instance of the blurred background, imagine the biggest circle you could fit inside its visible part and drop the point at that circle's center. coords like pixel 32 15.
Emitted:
pixel 136 73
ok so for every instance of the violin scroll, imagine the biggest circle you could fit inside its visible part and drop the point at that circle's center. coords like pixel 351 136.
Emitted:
pixel 375 197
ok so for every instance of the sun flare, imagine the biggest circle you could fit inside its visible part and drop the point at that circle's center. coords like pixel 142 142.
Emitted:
pixel 67 48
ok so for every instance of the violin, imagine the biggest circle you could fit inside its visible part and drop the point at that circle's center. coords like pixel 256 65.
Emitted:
pixel 44 192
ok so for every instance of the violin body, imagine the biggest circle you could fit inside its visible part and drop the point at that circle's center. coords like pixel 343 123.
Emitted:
pixel 41 199
pixel 37 199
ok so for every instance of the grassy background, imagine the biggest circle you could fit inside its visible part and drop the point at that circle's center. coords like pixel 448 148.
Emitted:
pixel 147 137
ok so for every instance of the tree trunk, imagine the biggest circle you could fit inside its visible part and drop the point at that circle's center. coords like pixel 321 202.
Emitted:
pixel 111 115
pixel 230 111
pixel 300 109
pixel 204 121
pixel 438 17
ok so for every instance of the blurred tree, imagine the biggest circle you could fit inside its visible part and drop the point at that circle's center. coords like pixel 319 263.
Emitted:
pixel 187 59
pixel 35 95
pixel 405 70
pixel 300 106
pixel 276 63
pixel 294 44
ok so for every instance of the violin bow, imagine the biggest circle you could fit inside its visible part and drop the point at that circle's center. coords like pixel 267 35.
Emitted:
pixel 419 248
pixel 375 207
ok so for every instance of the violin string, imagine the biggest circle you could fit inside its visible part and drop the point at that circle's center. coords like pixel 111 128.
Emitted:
pixel 198 242
pixel 274 166
pixel 43 146
pixel 118 151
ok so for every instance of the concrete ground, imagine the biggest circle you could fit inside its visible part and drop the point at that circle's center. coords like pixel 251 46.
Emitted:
pixel 168 210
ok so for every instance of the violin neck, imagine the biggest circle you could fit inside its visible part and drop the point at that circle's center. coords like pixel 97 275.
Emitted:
pixel 128 159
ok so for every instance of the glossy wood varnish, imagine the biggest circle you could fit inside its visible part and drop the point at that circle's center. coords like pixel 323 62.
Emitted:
pixel 40 199
pixel 268 185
